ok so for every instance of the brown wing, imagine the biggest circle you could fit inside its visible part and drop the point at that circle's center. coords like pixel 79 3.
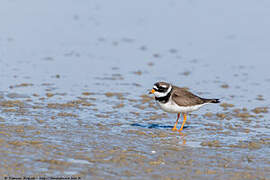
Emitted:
pixel 183 97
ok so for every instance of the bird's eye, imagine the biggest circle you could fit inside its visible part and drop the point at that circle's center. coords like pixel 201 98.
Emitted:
pixel 160 88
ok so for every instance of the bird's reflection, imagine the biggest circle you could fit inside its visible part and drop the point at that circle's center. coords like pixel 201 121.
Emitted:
pixel 183 135
pixel 158 126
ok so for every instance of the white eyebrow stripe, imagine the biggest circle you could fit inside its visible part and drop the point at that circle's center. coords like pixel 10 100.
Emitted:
pixel 164 86
pixel 155 87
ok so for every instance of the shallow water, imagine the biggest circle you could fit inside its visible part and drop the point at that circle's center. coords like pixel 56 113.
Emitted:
pixel 74 83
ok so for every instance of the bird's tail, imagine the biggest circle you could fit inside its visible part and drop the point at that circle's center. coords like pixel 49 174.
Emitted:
pixel 211 100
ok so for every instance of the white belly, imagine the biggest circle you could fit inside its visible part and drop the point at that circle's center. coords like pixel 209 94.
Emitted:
pixel 174 108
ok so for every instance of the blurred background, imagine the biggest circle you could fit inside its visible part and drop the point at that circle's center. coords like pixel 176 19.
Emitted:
pixel 82 40
pixel 75 74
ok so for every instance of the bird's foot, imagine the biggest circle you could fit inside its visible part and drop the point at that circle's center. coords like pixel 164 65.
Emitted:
pixel 180 130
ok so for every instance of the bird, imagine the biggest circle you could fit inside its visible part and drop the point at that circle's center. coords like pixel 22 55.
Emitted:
pixel 173 99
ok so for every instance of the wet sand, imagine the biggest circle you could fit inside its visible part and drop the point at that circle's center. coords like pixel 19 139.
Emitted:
pixel 74 83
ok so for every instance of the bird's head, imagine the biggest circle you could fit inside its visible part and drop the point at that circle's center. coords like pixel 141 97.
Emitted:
pixel 161 89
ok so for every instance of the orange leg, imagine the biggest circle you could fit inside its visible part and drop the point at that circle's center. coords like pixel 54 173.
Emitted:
pixel 174 128
pixel 184 121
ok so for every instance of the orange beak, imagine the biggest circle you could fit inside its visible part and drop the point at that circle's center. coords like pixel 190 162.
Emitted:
pixel 152 91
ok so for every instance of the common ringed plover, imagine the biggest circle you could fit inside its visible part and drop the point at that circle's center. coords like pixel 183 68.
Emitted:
pixel 178 100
